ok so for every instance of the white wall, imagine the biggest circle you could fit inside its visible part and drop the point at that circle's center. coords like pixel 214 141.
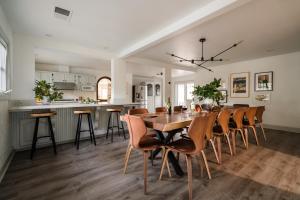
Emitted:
pixel 283 110
pixel 5 137
pixel 24 68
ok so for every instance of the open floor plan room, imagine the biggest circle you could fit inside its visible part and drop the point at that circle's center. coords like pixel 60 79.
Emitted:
pixel 160 100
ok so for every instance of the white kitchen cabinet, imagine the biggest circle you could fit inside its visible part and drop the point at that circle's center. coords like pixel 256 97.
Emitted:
pixel 37 76
pixel 92 80
pixel 58 77
pixel 69 77
pixel 47 76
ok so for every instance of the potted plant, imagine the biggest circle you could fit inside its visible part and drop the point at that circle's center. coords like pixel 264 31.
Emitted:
pixel 209 92
pixel 46 92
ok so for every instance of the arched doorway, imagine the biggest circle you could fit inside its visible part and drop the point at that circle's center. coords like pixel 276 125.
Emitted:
pixel 103 90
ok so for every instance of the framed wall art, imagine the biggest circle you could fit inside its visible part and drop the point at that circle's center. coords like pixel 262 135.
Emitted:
pixel 224 94
pixel 239 85
pixel 263 81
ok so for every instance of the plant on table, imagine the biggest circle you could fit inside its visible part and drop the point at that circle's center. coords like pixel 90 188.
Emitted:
pixel 209 91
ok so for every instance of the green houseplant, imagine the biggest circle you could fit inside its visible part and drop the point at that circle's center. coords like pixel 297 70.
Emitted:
pixel 209 91
pixel 46 91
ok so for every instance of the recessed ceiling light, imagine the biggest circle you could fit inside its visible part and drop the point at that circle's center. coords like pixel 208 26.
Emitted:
pixel 62 13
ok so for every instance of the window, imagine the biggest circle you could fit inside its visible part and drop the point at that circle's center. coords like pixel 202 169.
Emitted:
pixel 189 91
pixel 3 66
pixel 104 89
pixel 184 93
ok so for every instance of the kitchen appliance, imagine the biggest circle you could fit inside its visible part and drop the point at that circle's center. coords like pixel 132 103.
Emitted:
pixel 65 85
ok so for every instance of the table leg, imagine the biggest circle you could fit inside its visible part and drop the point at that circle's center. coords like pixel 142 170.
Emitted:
pixel 171 156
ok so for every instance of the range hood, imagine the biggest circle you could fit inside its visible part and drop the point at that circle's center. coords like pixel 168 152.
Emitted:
pixel 65 85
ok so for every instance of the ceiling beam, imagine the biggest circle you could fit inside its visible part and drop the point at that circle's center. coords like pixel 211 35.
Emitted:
pixel 154 63
pixel 209 11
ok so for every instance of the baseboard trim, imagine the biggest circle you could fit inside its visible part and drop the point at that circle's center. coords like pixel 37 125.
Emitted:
pixel 6 165
pixel 282 128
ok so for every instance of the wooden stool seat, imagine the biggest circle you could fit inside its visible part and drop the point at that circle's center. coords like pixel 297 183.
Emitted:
pixel 113 110
pixel 47 114
pixel 77 112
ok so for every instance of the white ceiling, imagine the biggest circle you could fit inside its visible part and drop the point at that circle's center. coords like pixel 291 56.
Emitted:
pixel 111 25
pixel 268 27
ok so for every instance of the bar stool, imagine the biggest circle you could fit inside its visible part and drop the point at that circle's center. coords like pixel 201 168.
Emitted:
pixel 111 125
pixel 80 113
pixel 37 117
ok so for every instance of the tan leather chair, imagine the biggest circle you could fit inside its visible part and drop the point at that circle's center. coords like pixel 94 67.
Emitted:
pixel 250 123
pixel 222 129
pixel 161 110
pixel 138 111
pixel 141 141
pixel 191 147
pixel 198 108
pixel 177 108
pixel 236 126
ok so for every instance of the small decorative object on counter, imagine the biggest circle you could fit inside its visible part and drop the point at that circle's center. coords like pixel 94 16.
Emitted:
pixel 169 105
pixel 46 92
pixel 88 100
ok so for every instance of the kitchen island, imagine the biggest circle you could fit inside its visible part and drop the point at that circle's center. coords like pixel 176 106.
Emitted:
pixel 64 123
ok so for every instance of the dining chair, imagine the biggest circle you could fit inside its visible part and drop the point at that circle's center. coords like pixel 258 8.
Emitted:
pixel 222 129
pixel 138 111
pixel 191 148
pixel 250 122
pixel 177 108
pixel 236 126
pixel 259 119
pixel 141 141
pixel 161 110
pixel 198 108
pixel 209 133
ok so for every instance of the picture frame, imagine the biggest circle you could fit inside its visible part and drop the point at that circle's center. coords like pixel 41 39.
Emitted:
pixel 263 81
pixel 225 95
pixel 239 85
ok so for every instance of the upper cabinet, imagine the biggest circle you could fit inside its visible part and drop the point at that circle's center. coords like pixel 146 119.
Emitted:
pixel 79 79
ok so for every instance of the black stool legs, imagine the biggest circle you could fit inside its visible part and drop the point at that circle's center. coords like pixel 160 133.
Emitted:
pixel 91 129
pixel 111 125
pixel 35 135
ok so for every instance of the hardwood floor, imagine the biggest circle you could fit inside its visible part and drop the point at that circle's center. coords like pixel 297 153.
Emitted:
pixel 270 171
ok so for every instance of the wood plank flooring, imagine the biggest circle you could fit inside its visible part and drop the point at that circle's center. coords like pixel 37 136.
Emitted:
pixel 270 171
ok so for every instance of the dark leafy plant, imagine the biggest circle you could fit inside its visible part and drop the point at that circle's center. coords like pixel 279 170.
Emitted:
pixel 209 91
pixel 44 89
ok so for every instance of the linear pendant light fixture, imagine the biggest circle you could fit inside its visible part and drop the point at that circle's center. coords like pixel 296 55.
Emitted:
pixel 202 60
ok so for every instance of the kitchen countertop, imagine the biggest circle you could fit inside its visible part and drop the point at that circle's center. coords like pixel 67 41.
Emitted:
pixel 68 105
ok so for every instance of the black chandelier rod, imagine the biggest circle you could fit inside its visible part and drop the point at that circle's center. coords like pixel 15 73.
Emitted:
pixel 183 59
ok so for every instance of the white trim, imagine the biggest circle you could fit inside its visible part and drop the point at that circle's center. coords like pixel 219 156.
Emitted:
pixel 6 165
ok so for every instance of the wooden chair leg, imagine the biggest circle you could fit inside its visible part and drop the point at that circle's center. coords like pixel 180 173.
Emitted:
pixel 165 160
pixel 201 165
pixel 243 137
pixel 233 142
pixel 246 137
pixel 255 134
pixel 229 145
pixel 215 151
pixel 206 164
pixel 263 131
pixel 128 152
pixel 145 171
pixel 190 175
